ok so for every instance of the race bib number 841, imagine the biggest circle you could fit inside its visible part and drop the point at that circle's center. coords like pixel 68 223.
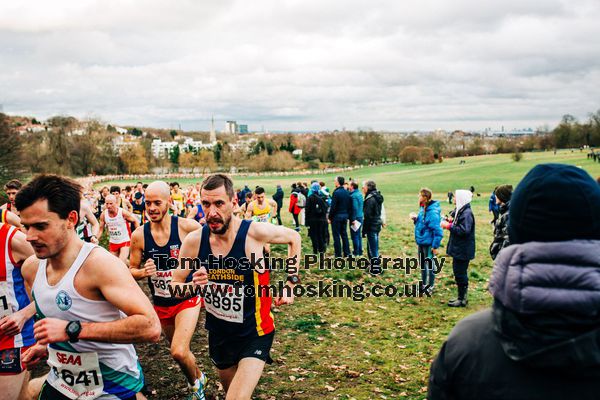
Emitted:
pixel 76 375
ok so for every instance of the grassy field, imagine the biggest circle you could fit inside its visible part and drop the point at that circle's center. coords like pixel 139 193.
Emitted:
pixel 337 348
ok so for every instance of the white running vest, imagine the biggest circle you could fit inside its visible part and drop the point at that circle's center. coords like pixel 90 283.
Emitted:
pixel 118 227
pixel 85 369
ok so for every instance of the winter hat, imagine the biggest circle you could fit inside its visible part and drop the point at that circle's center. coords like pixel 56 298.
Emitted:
pixel 504 192
pixel 553 203
pixel 315 187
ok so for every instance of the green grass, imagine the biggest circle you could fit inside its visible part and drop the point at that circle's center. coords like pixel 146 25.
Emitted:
pixel 337 348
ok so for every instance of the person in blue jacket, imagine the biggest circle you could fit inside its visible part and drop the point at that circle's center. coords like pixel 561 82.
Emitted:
pixel 493 206
pixel 428 235
pixel 461 244
pixel 357 210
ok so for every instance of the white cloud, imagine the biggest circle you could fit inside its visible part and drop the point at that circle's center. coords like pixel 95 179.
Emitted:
pixel 303 64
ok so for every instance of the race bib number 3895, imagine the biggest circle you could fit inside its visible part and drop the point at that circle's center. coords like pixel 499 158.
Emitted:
pixel 222 301
pixel 76 375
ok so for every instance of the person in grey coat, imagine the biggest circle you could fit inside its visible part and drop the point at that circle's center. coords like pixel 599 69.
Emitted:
pixel 541 338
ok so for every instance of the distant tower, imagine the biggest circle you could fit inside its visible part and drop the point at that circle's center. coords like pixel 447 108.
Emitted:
pixel 213 135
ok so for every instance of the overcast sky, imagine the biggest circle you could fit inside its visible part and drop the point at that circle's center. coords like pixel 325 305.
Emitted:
pixel 303 64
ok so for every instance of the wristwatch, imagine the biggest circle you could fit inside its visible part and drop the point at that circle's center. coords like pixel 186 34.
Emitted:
pixel 294 279
pixel 73 331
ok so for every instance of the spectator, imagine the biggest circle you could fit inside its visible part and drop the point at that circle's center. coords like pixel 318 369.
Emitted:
pixel 450 196
pixel 278 197
pixel 461 244
pixel 503 194
pixel 540 338
pixel 316 220
pixel 242 195
pixel 293 208
pixel 357 221
pixel 493 206
pixel 428 235
pixel 339 214
pixel 247 200
pixel 372 210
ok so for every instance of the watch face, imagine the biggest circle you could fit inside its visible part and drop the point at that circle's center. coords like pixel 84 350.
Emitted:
pixel 73 327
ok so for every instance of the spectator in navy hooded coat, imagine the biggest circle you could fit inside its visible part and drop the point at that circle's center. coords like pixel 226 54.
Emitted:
pixel 541 338
pixel 461 244
pixel 428 234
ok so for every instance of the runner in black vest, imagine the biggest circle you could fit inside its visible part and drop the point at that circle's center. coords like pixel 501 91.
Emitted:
pixel 239 322
pixel 155 247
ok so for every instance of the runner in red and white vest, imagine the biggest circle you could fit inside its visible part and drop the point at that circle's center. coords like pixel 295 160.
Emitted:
pixel 119 233
pixel 16 312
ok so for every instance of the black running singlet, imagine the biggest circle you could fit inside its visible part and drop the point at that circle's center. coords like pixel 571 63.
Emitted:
pixel 235 311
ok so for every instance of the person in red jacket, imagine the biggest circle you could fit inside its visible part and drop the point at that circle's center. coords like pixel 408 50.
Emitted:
pixel 294 209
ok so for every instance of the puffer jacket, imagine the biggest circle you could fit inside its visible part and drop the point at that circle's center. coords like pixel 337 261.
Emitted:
pixel 372 212
pixel 428 231
pixel 541 338
pixel 500 231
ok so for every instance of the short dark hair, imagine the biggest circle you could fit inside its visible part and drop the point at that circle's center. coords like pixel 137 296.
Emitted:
pixel 128 188
pixel 115 189
pixel 354 185
pixel 249 195
pixel 294 186
pixel 139 183
pixel 145 186
pixel 340 180
pixel 259 190
pixel 13 184
pixel 175 183
pixel 63 194
pixel 215 181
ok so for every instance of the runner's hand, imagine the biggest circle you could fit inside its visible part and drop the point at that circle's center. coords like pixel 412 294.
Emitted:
pixel 200 277
pixel 33 355
pixel 285 298
pixel 434 252
pixel 94 239
pixel 50 330
pixel 13 324
pixel 149 268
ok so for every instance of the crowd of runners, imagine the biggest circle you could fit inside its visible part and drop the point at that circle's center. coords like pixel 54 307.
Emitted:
pixel 68 301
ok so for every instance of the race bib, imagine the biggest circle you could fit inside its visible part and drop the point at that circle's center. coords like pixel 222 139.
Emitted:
pixel 114 232
pixel 5 307
pixel 75 375
pixel 160 281
pixel 222 301
pixel 261 218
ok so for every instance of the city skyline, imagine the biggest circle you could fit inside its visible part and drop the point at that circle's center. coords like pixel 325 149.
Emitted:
pixel 303 66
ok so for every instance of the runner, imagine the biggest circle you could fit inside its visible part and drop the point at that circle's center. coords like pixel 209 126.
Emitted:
pixel 260 210
pixel 121 201
pixel 87 318
pixel 9 217
pixel 178 200
pixel 11 189
pixel 119 233
pixel 88 226
pixel 16 312
pixel 197 213
pixel 139 208
pixel 151 247
pixel 240 325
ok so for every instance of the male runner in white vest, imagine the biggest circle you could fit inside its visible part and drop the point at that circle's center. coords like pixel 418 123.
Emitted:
pixel 90 309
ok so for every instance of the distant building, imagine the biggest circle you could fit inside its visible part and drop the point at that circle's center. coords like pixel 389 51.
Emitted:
pixel 231 127
pixel 119 143
pixel 162 149
pixel 195 145
pixel 120 130
pixel 213 134
pixel 243 128
pixel 514 132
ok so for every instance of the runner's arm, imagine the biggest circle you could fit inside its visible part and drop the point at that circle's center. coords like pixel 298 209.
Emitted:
pixel 276 234
pixel 91 218
pixel 112 278
pixel 101 226
pixel 129 217
pixel 248 213
pixel 189 251
pixel 13 219
pixel 135 254
pixel 274 206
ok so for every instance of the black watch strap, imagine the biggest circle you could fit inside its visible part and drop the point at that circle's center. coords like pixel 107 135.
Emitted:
pixel 294 279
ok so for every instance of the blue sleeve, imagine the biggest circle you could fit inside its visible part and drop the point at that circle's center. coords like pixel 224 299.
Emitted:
pixel 438 232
